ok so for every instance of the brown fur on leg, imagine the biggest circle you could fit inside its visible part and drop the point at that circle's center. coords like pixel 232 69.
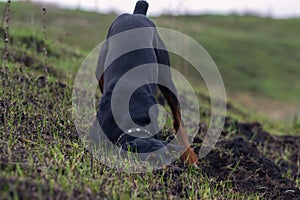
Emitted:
pixel 189 155
pixel 101 83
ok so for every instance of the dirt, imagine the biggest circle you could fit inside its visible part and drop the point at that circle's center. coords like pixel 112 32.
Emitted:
pixel 254 160
pixel 250 160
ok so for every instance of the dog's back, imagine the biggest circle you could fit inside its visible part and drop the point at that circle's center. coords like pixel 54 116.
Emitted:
pixel 127 29
pixel 126 22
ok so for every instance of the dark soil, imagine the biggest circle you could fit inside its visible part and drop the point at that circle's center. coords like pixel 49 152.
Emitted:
pixel 253 160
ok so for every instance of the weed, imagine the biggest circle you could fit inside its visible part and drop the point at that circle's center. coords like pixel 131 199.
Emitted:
pixel 44 11
pixel 6 33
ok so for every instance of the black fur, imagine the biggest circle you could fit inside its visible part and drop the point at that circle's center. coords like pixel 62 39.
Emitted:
pixel 141 7
pixel 144 97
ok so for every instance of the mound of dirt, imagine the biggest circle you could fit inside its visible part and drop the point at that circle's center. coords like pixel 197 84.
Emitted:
pixel 253 160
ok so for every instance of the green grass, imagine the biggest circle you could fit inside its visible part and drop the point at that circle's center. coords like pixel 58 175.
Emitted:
pixel 41 154
pixel 253 54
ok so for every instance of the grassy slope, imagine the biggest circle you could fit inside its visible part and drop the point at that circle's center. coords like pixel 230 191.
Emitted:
pixel 40 152
pixel 235 43
pixel 41 155
pixel 256 55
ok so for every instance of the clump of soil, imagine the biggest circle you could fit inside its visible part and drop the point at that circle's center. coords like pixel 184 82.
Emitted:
pixel 253 160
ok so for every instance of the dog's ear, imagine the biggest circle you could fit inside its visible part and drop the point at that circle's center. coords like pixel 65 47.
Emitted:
pixel 141 7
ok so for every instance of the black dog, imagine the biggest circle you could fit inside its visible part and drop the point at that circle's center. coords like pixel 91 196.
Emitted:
pixel 144 97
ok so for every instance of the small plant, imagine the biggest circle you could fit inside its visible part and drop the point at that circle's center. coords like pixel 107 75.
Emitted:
pixel 296 122
pixel 6 33
pixel 44 10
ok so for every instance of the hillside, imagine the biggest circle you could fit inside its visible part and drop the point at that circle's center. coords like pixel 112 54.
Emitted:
pixel 258 57
pixel 41 155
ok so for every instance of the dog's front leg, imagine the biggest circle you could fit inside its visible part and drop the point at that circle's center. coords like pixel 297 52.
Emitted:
pixel 189 155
